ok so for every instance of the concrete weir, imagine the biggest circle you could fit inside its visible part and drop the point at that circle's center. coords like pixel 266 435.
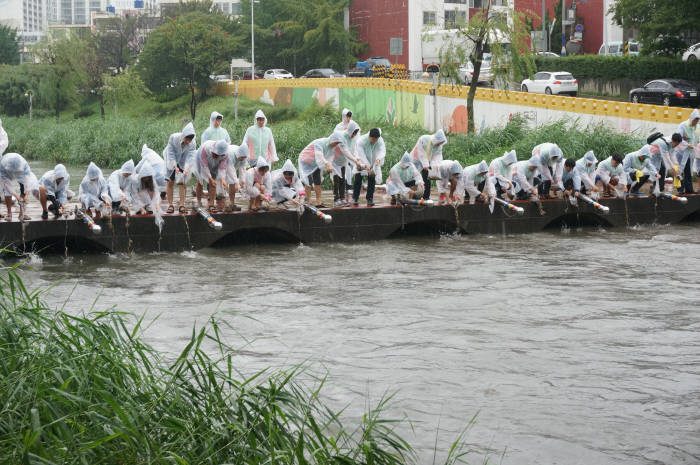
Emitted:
pixel 191 231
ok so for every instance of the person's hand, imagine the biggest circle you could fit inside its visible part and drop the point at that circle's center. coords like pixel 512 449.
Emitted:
pixel 187 170
pixel 533 191
pixel 142 211
pixel 359 165
pixel 658 176
pixel 329 167
pixel 576 194
pixel 177 169
pixel 236 187
pixel 212 181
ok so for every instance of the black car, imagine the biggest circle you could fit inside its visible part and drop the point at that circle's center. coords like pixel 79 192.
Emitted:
pixel 667 92
pixel 322 73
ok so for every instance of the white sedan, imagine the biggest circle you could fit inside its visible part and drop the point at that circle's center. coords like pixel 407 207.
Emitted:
pixel 278 74
pixel 551 82
pixel 693 53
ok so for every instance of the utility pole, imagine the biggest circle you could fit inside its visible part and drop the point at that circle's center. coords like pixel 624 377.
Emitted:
pixel 545 41
pixel 563 28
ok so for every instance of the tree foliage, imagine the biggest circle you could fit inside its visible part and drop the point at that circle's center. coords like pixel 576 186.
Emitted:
pixel 300 34
pixel 503 37
pixel 9 45
pixel 65 73
pixel 15 81
pixel 187 49
pixel 124 87
pixel 118 40
pixel 664 27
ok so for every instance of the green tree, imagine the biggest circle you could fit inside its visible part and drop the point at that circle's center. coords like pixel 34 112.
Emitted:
pixel 65 71
pixel 664 27
pixel 504 37
pixel 119 40
pixel 15 81
pixel 9 45
pixel 123 88
pixel 187 49
pixel 300 34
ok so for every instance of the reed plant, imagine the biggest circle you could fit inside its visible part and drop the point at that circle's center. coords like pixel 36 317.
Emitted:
pixel 87 389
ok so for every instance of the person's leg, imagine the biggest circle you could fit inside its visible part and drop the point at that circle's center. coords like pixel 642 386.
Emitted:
pixel 42 198
pixel 336 187
pixel 169 187
pixel 371 184
pixel 115 205
pixel 499 190
pixel 212 195
pixel 426 183
pixel 198 193
pixel 8 204
pixel 687 183
pixel 341 185
pixel 481 187
pixel 356 187
pixel 662 180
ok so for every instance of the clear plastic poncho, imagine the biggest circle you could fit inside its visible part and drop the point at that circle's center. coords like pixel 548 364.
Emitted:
pixel 175 153
pixel 523 175
pixel 14 168
pixel 253 177
pixel 474 175
pixel 213 133
pixel 448 170
pixel 371 155
pixel 4 141
pixel 313 157
pixel 586 168
pixel 119 186
pixel 283 190
pixel 157 163
pixel 93 189
pixel 401 173
pixel 260 141
pixel 428 151
pixel 58 190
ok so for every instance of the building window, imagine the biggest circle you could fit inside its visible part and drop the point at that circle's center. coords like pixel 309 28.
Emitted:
pixel 455 18
pixel 235 8
pixel 499 2
pixel 429 18
pixel 475 4
pixel 461 2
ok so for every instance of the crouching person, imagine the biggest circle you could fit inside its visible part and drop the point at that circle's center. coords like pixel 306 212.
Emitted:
pixel 210 168
pixel 145 192
pixel 501 172
pixel 235 173
pixel 571 178
pixel 525 179
pixel 639 169
pixel 610 175
pixel 14 168
pixel 476 179
pixel 287 189
pixel 259 185
pixel 405 181
pixel 52 191
pixel 449 183
pixel 119 186
pixel 94 192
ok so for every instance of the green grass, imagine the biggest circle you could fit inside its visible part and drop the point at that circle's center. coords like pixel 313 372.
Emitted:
pixel 86 389
pixel 111 142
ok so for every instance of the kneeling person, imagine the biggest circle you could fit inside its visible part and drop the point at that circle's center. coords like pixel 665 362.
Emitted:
pixel 258 185
pixel 610 174
pixel 94 192
pixel 475 179
pixel 119 186
pixel 210 168
pixel 13 167
pixel 53 188
pixel 449 184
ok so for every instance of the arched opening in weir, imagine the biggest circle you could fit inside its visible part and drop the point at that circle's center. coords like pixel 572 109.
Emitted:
pixel 256 236
pixel 575 220
pixel 425 228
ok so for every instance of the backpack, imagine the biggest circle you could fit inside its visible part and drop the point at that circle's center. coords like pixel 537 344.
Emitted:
pixel 653 137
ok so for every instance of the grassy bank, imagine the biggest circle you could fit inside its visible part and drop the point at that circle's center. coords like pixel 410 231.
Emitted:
pixel 111 142
pixel 88 390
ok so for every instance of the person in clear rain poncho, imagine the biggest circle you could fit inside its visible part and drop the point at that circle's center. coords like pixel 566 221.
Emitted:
pixel 4 141
pixel 370 151
pixel 501 173
pixel 610 175
pixel 344 120
pixel 259 185
pixel 690 152
pixel 449 183
pixel 235 173
pixel 119 186
pixel 525 178
pixel 639 170
pixel 475 178
pixel 550 166
pixel 210 168
pixel 404 180
pixel 94 192
pixel 313 161
pixel 157 163
pixel 145 192
pixel 287 188
pixel 427 155
pixel 663 157
pixel 53 190
pixel 339 157
pixel 571 178
pixel 179 154
pixel 215 131
pixel 14 168
pixel 260 142
pixel 586 170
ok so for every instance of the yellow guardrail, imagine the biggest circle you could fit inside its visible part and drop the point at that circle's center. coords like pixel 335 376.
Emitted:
pixel 655 113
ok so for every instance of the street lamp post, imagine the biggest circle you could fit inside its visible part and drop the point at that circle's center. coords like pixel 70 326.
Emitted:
pixel 29 94
pixel 252 42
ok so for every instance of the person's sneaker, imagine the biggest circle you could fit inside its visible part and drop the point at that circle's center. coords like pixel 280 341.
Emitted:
pixel 370 203
pixel 355 204
pixel 338 203
pixel 45 215
pixel 393 201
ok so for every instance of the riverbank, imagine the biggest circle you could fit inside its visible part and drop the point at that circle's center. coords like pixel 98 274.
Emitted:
pixel 119 137
pixel 88 389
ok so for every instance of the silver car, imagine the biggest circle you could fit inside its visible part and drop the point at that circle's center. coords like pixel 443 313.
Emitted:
pixel 466 72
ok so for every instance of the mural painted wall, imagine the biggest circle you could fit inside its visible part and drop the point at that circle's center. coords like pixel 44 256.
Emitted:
pixel 406 103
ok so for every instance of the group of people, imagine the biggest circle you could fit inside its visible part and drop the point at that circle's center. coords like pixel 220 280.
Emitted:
pixel 349 157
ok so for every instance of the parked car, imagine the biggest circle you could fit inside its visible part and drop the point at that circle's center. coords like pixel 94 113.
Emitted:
pixel 245 74
pixel 667 92
pixel 548 54
pixel 693 53
pixel 366 68
pixel 617 48
pixel 551 82
pixel 322 73
pixel 466 72
pixel 278 74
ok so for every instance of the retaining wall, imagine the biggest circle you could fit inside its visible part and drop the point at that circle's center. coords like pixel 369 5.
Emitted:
pixel 414 103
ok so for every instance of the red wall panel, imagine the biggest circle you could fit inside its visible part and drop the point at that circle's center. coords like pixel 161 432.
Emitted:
pixel 376 22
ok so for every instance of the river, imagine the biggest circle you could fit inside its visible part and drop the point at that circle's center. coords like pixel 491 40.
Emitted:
pixel 574 347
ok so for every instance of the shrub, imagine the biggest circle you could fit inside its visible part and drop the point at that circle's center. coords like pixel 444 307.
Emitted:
pixel 83 113
pixel 628 67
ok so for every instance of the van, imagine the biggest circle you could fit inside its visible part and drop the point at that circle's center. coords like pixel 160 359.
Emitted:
pixel 617 48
